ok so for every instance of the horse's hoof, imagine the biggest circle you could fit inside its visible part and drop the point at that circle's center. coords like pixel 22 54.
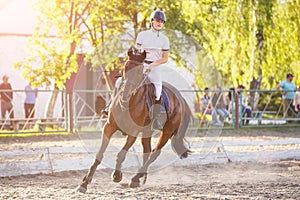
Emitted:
pixel 117 176
pixel 144 179
pixel 81 189
pixel 134 184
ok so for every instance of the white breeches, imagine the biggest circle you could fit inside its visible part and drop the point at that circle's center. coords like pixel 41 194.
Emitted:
pixel 118 83
pixel 156 78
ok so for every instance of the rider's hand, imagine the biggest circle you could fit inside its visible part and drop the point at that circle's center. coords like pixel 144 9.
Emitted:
pixel 148 68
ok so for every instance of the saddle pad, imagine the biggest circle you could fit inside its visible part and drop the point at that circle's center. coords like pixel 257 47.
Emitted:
pixel 165 104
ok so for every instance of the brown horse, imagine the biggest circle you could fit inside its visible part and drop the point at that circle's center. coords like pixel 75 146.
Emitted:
pixel 129 113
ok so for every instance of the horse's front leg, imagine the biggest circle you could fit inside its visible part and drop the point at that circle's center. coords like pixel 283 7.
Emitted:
pixel 117 173
pixel 142 172
pixel 108 131
pixel 146 143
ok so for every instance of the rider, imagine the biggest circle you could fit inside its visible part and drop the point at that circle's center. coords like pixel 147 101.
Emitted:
pixel 157 46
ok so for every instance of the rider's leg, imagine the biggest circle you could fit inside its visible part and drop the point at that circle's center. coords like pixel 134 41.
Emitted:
pixel 156 78
pixel 117 87
pixel 156 124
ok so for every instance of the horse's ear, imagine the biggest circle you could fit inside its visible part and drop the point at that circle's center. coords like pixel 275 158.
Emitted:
pixel 130 51
pixel 144 54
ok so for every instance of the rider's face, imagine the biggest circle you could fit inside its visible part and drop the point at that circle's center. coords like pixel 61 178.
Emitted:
pixel 157 24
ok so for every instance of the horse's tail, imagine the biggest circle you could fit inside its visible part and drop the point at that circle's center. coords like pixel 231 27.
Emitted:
pixel 177 140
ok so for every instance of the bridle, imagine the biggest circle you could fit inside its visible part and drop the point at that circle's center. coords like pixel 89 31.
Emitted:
pixel 124 104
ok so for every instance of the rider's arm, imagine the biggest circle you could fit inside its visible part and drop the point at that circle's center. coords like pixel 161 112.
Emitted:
pixel 278 86
pixel 163 60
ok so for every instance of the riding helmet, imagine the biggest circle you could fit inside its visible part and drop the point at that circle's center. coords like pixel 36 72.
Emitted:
pixel 159 15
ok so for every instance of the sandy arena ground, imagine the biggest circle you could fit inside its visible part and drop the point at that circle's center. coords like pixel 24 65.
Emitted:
pixel 278 179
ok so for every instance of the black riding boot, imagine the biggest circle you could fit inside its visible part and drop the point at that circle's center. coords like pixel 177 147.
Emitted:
pixel 156 124
pixel 105 110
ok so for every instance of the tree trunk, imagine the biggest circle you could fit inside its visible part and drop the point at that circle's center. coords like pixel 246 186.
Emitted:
pixel 256 83
pixel 254 96
pixel 51 104
pixel 258 34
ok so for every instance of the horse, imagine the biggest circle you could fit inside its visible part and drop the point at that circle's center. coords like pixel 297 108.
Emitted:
pixel 130 113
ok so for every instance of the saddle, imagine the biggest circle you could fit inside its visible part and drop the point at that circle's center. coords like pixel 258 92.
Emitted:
pixel 165 103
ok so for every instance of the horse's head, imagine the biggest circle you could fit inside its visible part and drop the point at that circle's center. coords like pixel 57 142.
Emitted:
pixel 133 71
pixel 136 54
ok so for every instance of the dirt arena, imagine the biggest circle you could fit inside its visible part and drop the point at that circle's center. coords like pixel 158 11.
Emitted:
pixel 233 180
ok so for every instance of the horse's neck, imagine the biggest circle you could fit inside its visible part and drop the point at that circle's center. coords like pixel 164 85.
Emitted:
pixel 140 92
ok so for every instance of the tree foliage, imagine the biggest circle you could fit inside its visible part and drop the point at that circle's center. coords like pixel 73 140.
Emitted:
pixel 66 29
pixel 250 42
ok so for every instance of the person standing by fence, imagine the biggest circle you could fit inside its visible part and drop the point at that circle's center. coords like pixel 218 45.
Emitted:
pixel 6 99
pixel 287 90
pixel 30 100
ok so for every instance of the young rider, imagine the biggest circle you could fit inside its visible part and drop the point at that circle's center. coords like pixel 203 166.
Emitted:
pixel 157 46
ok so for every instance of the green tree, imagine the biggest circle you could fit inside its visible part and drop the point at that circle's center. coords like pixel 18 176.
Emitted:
pixel 251 42
pixel 282 43
pixel 62 31
pixel 52 47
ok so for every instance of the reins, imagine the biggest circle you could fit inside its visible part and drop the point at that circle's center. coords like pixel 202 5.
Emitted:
pixel 125 104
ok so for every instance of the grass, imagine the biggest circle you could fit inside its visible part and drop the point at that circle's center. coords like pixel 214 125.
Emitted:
pixel 31 133
pixel 34 132
pixel 60 131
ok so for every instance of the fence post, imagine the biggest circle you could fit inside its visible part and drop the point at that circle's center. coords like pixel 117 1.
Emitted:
pixel 237 110
pixel 71 116
pixel 69 119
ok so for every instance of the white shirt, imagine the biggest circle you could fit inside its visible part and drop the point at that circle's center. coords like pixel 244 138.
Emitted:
pixel 154 42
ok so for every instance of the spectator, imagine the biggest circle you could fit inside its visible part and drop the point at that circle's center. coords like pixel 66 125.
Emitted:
pixel 30 100
pixel 219 105
pixel 245 108
pixel 206 106
pixel 297 100
pixel 287 90
pixel 6 99
pixel 229 99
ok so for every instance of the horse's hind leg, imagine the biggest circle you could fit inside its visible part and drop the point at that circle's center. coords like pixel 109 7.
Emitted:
pixel 108 130
pixel 117 174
